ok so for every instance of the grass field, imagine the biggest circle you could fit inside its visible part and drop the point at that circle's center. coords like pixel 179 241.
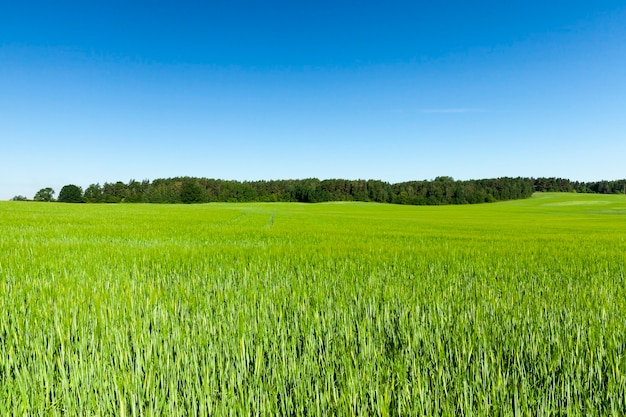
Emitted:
pixel 515 308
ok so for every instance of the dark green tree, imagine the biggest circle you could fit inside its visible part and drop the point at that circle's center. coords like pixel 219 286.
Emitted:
pixel 45 194
pixel 19 198
pixel 71 194
pixel 136 191
pixel 191 192
pixel 114 193
pixel 93 194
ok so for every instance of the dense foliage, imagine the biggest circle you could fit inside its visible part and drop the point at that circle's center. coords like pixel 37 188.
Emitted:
pixel 443 190
pixel 71 194
pixel 46 195
pixel 287 309
pixel 565 185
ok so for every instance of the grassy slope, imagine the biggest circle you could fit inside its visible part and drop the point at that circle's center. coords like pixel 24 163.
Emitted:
pixel 339 307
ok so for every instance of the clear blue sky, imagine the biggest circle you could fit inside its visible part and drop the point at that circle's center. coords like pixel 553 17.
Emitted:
pixel 96 91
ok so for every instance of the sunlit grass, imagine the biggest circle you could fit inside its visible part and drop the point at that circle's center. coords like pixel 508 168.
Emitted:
pixel 292 309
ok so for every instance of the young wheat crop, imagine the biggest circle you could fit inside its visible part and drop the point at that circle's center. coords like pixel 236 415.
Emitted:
pixel 512 308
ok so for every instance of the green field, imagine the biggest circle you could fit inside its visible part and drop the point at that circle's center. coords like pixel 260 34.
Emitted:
pixel 515 308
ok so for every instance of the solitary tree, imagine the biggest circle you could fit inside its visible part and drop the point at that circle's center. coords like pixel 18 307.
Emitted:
pixel 45 194
pixel 71 194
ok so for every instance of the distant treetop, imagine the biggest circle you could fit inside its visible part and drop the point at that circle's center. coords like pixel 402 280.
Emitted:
pixel 71 194
pixel 45 194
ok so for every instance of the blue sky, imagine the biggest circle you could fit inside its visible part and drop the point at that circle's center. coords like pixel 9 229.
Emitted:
pixel 94 92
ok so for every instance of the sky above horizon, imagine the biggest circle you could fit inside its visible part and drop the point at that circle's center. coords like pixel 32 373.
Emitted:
pixel 94 92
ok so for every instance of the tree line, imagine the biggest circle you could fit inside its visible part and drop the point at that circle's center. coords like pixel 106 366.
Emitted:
pixel 441 190
pixel 567 186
